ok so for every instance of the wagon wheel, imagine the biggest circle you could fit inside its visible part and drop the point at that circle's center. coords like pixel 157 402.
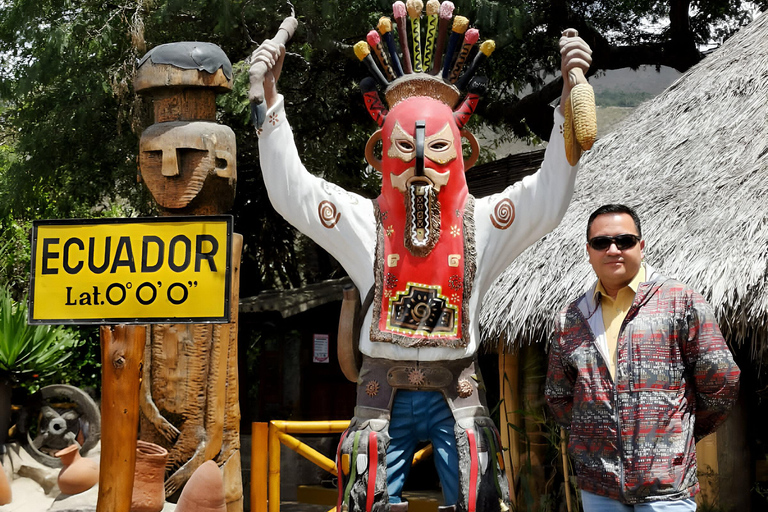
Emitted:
pixel 56 417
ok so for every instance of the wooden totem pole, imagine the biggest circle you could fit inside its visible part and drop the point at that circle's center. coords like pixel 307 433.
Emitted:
pixel 189 390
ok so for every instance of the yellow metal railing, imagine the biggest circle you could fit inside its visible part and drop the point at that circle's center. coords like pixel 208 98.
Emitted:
pixel 265 456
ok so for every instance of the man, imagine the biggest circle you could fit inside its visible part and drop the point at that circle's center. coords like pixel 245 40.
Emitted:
pixel 424 252
pixel 638 372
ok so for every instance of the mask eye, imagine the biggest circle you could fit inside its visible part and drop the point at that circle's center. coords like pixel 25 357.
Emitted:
pixel 439 145
pixel 405 146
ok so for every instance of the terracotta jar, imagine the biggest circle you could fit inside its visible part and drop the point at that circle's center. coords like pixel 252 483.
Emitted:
pixel 148 490
pixel 79 473
pixel 204 491
pixel 5 488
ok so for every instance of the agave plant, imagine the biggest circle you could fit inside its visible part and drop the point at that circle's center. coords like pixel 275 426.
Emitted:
pixel 29 350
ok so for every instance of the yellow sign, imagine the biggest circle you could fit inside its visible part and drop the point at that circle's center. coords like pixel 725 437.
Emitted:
pixel 150 270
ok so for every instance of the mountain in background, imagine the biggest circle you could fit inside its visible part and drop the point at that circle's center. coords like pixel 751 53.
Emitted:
pixel 617 94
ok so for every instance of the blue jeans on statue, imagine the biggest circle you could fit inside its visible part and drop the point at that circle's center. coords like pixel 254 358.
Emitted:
pixel 422 416
pixel 595 503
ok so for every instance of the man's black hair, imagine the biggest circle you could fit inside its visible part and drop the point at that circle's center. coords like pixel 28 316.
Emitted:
pixel 615 208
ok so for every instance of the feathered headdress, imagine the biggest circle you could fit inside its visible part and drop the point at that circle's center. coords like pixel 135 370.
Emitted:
pixel 440 69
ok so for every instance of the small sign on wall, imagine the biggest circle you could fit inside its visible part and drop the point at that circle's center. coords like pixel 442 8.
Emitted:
pixel 320 349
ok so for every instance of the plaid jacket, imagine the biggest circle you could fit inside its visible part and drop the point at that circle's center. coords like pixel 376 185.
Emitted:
pixel 633 440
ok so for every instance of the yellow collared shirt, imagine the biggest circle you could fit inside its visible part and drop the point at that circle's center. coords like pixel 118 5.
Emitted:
pixel 615 311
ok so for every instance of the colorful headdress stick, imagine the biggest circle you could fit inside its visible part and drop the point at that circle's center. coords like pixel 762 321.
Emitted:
pixel 486 49
pixel 446 88
pixel 399 11
pixel 373 103
pixel 470 38
pixel 446 14
pixel 363 52
pixel 477 88
pixel 460 25
pixel 374 41
pixel 433 7
pixel 414 12
pixel 385 29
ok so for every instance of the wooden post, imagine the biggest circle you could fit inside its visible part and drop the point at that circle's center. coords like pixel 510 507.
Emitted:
pixel 122 350
pixel 188 163
pixel 259 466
pixel 273 447
pixel 509 415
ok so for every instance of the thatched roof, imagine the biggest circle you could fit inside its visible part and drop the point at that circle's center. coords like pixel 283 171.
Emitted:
pixel 694 162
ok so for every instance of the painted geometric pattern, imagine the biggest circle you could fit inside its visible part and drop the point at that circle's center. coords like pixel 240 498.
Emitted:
pixel 421 309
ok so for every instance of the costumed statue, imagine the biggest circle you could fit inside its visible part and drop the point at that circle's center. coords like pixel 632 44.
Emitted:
pixel 423 254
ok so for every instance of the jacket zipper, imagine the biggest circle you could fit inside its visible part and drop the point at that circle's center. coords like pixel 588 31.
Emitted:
pixel 634 307
pixel 619 445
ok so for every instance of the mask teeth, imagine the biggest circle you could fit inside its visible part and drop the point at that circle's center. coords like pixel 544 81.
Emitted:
pixel 420 211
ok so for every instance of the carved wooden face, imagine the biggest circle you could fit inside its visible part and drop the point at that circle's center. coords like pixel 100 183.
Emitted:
pixel 189 167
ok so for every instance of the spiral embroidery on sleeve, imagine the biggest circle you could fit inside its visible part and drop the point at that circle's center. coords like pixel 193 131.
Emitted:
pixel 503 214
pixel 328 215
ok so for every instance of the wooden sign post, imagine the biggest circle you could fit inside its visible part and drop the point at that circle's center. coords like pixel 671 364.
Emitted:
pixel 174 382
pixel 122 351
pixel 189 398
pixel 132 271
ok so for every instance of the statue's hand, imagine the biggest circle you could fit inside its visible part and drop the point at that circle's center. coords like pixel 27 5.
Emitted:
pixel 266 65
pixel 576 57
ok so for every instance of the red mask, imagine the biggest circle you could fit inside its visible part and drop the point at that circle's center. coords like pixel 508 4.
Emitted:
pixel 425 239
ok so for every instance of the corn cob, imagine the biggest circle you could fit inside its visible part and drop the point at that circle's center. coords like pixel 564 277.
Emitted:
pixel 572 148
pixel 584 114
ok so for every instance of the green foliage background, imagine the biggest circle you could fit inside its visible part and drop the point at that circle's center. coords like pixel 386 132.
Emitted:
pixel 70 121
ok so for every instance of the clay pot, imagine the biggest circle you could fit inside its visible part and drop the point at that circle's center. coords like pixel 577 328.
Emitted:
pixel 204 492
pixel 149 477
pixel 5 488
pixel 79 473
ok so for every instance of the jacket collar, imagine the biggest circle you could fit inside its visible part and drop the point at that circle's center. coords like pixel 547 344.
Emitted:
pixel 588 302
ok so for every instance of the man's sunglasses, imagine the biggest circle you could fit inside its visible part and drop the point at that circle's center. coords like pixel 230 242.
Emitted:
pixel 623 242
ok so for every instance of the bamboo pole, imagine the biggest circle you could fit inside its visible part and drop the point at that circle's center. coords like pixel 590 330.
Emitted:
pixel 265 456
pixel 510 417
pixel 308 453
pixel 564 452
pixel 422 454
pixel 274 468
pixel 122 350
pixel 259 466
pixel 310 427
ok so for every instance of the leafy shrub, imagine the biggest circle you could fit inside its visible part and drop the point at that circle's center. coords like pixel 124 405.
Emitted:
pixel 30 351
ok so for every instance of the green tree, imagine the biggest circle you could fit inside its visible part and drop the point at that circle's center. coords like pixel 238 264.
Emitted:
pixel 70 120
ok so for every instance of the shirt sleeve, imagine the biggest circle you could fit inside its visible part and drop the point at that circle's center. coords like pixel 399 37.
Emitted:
pixel 709 362
pixel 561 379
pixel 510 221
pixel 341 222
